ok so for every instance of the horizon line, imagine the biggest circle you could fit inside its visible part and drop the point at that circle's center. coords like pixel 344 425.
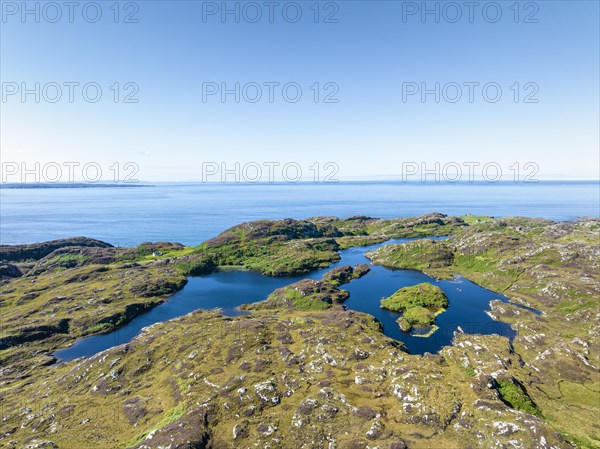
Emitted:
pixel 108 183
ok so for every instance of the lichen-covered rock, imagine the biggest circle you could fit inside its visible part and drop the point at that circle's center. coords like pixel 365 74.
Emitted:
pixel 346 273
pixel 327 396
pixel 189 431
pixel 36 251
pixel 310 294
pixel 8 271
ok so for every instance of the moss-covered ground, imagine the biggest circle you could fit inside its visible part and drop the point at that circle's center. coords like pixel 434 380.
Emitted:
pixel 299 371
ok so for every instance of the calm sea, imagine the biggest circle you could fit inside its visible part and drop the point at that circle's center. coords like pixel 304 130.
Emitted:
pixel 192 213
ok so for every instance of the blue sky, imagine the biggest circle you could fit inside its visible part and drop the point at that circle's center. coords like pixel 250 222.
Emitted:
pixel 367 56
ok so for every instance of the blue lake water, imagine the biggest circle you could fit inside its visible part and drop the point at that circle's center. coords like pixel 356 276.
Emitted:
pixel 229 289
pixel 192 213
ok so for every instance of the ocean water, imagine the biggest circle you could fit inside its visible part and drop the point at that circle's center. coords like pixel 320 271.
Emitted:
pixel 192 213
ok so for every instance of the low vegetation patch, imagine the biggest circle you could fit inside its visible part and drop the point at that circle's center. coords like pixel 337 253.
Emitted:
pixel 513 395
pixel 304 302
pixel 421 295
pixel 419 305
pixel 173 415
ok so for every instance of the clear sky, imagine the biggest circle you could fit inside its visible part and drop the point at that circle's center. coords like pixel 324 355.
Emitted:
pixel 371 54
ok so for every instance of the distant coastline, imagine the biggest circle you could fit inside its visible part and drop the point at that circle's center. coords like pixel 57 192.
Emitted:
pixel 65 185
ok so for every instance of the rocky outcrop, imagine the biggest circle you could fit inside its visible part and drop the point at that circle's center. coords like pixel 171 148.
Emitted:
pixel 420 295
pixel 307 294
pixel 9 271
pixel 419 254
pixel 191 431
pixel 29 334
pixel 73 257
pixel 346 273
pixel 279 230
pixel 157 287
pixel 150 248
pixel 36 251
pixel 310 294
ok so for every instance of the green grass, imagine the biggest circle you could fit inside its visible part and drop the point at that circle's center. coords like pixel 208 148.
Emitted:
pixel 64 261
pixel 469 371
pixel 472 219
pixel 100 327
pixel 579 394
pixel 419 304
pixel 421 295
pixel 302 302
pixel 196 267
pixel 418 255
pixel 419 315
pixel 183 385
pixel 273 258
pixel 573 306
pixel 513 395
pixel 173 415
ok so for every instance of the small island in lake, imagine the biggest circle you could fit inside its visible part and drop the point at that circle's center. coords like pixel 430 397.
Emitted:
pixel 419 305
